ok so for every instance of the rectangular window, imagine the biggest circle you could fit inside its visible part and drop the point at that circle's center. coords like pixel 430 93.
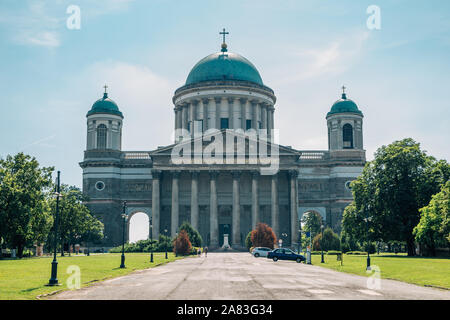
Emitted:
pixel 259 125
pixel 248 124
pixel 224 123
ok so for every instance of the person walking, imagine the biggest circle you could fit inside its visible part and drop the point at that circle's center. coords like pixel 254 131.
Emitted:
pixel 205 250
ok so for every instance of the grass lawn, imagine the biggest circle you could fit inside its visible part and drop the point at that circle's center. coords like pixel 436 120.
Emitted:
pixel 417 270
pixel 26 278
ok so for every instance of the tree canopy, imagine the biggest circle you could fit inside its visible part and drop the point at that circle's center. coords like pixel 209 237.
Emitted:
pixel 24 212
pixel 194 236
pixel 433 229
pixel 390 191
pixel 263 236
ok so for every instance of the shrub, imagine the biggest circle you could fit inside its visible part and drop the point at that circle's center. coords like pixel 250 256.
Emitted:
pixel 360 253
pixel 263 236
pixel 181 244
pixel 248 241
pixel 194 236
pixel 330 241
pixel 333 252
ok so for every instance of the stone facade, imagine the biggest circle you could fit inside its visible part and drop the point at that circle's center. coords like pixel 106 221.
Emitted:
pixel 222 198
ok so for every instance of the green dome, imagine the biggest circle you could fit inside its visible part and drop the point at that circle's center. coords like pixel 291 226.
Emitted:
pixel 344 105
pixel 105 105
pixel 224 66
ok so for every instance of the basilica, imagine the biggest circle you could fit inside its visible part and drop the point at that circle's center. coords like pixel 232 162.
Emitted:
pixel 225 171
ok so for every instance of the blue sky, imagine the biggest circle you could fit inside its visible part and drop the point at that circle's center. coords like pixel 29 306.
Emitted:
pixel 305 50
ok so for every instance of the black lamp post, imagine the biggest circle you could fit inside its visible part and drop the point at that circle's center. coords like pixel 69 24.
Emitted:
pixel 367 220
pixel 321 243
pixel 165 240
pixel 151 240
pixel 124 217
pixel 54 276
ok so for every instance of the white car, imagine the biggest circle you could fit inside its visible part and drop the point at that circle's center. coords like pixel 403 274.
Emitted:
pixel 260 251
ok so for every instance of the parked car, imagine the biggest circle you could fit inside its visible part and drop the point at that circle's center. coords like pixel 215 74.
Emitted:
pixel 260 251
pixel 285 254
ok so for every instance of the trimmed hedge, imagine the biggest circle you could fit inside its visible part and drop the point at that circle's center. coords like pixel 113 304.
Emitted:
pixel 356 253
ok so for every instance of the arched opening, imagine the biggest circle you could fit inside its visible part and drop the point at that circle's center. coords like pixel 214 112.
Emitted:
pixel 101 136
pixel 138 227
pixel 347 135
pixel 311 222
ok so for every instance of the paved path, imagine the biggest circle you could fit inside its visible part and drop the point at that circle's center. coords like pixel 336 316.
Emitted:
pixel 232 276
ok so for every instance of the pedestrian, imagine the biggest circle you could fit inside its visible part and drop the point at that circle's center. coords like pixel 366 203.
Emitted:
pixel 199 252
pixel 205 250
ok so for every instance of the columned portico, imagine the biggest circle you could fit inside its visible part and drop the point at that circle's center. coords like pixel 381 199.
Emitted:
pixel 236 211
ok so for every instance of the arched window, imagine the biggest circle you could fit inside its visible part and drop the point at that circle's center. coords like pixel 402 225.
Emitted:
pixel 101 136
pixel 347 133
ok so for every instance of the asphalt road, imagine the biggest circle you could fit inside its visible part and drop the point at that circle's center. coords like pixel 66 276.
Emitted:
pixel 240 276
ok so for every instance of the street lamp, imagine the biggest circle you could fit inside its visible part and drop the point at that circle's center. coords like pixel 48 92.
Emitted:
pixel 321 242
pixel 165 240
pixel 54 276
pixel 124 217
pixel 299 235
pixel 367 220
pixel 151 239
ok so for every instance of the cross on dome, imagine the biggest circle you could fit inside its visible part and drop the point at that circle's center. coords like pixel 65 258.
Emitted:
pixel 344 96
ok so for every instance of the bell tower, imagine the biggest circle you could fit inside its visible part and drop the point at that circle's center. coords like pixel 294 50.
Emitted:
pixel 104 125
pixel 345 123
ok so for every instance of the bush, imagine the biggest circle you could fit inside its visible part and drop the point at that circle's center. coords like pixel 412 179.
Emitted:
pixel 248 241
pixel 333 252
pixel 263 236
pixel 330 241
pixel 194 236
pixel 182 245
pixel 360 253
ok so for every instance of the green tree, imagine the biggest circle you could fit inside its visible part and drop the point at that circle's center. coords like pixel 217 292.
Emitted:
pixel 330 241
pixel 433 229
pixel 194 236
pixel 24 190
pixel 389 192
pixel 311 222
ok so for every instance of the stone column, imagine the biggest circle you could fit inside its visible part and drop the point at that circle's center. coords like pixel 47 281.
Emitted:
pixel 194 199
pixel 236 111
pixel 192 117
pixel 243 112
pixel 255 202
pixel 264 116
pixel 156 174
pixel 236 211
pixel 275 209
pixel 211 113
pixel 205 115
pixel 218 108
pixel 293 203
pixel 175 204
pixel 214 215
pixel 254 109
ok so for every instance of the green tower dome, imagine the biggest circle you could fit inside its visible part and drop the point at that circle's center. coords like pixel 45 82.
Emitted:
pixel 344 105
pixel 105 105
pixel 224 66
